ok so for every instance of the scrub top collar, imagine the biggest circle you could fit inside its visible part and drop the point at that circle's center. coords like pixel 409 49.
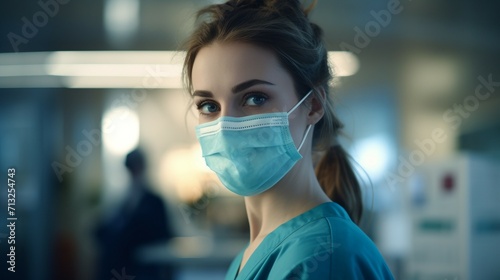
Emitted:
pixel 276 237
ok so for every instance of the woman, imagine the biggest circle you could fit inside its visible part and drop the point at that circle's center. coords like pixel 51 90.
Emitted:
pixel 259 76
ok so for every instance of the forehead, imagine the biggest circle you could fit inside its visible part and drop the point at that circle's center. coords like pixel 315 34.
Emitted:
pixel 219 66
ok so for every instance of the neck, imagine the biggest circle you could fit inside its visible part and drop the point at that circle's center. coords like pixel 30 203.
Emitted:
pixel 296 193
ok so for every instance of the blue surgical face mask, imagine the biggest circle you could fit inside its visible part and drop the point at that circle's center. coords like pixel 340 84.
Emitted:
pixel 250 154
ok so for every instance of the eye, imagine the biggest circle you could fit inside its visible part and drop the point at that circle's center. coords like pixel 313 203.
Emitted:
pixel 255 100
pixel 207 107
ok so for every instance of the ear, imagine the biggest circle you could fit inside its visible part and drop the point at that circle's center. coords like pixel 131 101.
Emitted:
pixel 316 110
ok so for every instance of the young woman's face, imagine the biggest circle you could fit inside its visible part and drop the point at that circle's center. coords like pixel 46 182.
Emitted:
pixel 240 79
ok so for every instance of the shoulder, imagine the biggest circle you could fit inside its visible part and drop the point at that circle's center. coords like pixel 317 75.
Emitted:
pixel 334 234
pixel 332 246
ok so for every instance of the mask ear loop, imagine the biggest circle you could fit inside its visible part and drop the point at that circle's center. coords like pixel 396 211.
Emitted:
pixel 309 126
pixel 305 137
pixel 300 102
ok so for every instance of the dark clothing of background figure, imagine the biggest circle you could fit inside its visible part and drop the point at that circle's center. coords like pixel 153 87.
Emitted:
pixel 141 220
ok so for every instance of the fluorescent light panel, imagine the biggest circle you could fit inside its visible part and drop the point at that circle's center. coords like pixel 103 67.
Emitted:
pixel 115 69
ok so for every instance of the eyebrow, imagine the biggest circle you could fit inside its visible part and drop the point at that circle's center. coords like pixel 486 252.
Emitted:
pixel 238 88
pixel 249 83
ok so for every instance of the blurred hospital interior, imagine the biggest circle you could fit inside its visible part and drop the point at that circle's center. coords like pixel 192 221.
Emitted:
pixel 84 83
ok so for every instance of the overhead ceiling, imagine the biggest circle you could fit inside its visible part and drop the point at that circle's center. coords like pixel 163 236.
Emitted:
pixel 464 32
pixel 164 24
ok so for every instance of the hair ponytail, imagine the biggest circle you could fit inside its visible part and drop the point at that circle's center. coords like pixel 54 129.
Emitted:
pixel 338 180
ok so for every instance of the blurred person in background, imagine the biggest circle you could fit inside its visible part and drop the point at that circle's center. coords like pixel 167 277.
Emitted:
pixel 139 221
pixel 259 76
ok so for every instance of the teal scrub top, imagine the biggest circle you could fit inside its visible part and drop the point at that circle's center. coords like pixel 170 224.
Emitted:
pixel 322 243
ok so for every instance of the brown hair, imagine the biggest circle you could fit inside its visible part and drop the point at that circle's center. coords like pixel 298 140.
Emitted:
pixel 283 27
